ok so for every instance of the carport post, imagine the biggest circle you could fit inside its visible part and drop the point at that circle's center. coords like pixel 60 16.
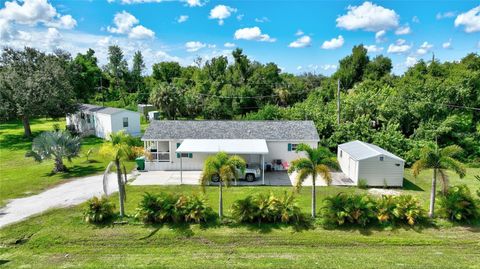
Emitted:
pixel 263 169
pixel 181 170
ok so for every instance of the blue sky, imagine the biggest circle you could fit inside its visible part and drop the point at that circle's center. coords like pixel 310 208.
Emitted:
pixel 297 35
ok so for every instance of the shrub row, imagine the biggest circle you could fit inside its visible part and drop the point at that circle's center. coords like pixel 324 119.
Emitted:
pixel 163 208
pixel 263 208
pixel 360 209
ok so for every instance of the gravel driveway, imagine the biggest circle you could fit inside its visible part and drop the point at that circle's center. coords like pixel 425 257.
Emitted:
pixel 71 193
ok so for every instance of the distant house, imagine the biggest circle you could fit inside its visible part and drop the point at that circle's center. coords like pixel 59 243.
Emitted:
pixel 185 144
pixel 364 161
pixel 101 121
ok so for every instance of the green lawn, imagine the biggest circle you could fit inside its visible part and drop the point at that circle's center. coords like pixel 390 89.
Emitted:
pixel 60 238
pixel 22 176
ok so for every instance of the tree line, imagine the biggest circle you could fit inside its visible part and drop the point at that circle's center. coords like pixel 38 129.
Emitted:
pixel 431 102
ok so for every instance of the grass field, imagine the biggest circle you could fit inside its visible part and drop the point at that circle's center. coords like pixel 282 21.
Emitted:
pixel 60 238
pixel 22 176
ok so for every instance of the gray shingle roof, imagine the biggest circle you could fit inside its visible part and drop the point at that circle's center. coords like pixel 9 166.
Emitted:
pixel 100 109
pixel 205 129
pixel 359 150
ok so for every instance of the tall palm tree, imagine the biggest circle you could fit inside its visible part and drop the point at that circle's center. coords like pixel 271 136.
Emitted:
pixel 440 160
pixel 55 145
pixel 318 162
pixel 222 168
pixel 118 148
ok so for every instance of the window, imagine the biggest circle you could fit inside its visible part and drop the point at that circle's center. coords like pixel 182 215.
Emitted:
pixel 381 158
pixel 292 147
pixel 125 122
pixel 88 118
pixel 341 153
pixel 184 155
pixel 397 164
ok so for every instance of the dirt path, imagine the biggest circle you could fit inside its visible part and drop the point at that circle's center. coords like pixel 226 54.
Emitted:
pixel 71 193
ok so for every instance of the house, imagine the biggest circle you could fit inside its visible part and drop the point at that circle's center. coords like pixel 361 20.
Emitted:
pixel 185 144
pixel 364 161
pixel 101 121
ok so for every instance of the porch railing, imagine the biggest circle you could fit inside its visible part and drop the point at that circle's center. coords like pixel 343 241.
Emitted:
pixel 160 156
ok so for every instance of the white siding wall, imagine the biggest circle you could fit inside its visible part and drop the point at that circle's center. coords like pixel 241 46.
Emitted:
pixel 103 125
pixel 277 150
pixel 81 124
pixel 133 122
pixel 379 173
pixel 348 165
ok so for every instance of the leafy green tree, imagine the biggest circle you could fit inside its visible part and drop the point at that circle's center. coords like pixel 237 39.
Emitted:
pixel 168 98
pixel 352 67
pixel 440 160
pixel 136 78
pixel 87 75
pixel 34 84
pixel 57 146
pixel 222 168
pixel 117 70
pixel 117 149
pixel 166 71
pixel 318 162
pixel 378 67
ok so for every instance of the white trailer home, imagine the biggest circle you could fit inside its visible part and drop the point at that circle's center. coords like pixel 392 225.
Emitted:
pixel 101 121
pixel 363 161
pixel 185 144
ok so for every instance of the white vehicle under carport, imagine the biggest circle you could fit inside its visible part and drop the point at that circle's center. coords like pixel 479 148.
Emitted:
pixel 252 173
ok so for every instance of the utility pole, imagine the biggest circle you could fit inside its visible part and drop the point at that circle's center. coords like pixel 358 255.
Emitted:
pixel 338 101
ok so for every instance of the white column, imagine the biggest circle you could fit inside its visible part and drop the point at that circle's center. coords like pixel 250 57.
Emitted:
pixel 181 170
pixel 263 169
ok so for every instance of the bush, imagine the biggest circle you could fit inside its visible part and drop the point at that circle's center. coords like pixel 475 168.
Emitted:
pixel 458 204
pixel 164 208
pixel 362 183
pixel 348 209
pixel 268 209
pixel 399 209
pixel 98 210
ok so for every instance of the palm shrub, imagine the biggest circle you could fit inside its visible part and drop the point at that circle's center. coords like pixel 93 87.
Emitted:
pixel 263 208
pixel 98 210
pixel 343 209
pixel 405 209
pixel 55 145
pixel 386 209
pixel 458 204
pixel 193 209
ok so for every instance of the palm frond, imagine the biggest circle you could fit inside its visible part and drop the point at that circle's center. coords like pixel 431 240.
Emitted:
pixel 299 164
pixel 418 167
pixel 454 165
pixel 451 151
pixel 302 174
pixel 444 178
pixel 324 172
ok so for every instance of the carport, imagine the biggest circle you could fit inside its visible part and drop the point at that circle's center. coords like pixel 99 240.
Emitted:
pixel 229 146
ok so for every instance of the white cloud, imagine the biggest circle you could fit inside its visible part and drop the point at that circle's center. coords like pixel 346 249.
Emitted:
pixel 221 12
pixel 299 32
pixel 52 38
pixel 448 44
pixel 240 17
pixel 190 3
pixel 415 19
pixel 333 43
pixel 328 67
pixel 33 12
pixel 182 18
pixel 399 47
pixel 124 24
pixel 229 45
pixel 410 61
pixel 368 17
pixel 373 48
pixel 195 3
pixel 193 46
pixel 253 33
pixel 424 48
pixel 470 20
pixel 301 42
pixel 380 36
pixel 262 19
pixel 299 67
pixel 404 30
pixel 445 15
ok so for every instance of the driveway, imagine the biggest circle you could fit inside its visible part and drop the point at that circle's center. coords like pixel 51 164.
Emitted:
pixel 71 193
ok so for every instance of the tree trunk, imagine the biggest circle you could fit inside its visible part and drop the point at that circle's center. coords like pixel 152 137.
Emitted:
pixel 59 166
pixel 432 194
pixel 120 188
pixel 220 201
pixel 314 198
pixel 26 126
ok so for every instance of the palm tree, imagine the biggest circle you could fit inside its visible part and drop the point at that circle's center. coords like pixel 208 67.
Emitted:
pixel 222 168
pixel 440 160
pixel 55 145
pixel 117 149
pixel 318 162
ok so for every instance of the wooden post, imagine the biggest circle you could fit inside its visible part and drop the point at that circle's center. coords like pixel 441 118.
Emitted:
pixel 263 169
pixel 181 170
